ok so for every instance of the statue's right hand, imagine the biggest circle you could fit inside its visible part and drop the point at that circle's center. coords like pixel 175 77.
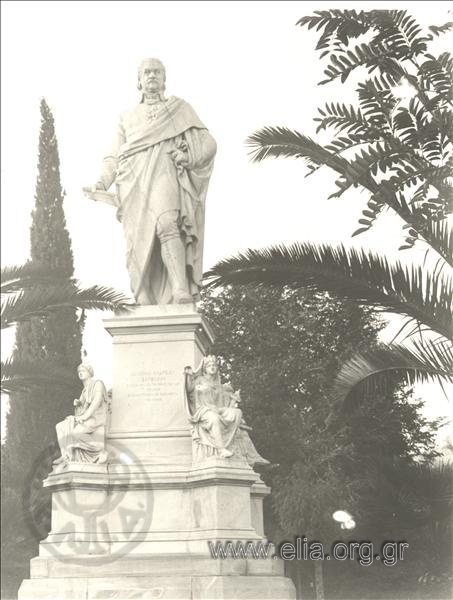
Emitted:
pixel 188 371
pixel 91 189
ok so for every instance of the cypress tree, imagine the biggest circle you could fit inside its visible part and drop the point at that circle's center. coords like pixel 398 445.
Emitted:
pixel 30 430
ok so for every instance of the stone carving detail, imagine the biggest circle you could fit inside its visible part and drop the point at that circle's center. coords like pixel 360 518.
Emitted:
pixel 81 436
pixel 161 161
pixel 218 428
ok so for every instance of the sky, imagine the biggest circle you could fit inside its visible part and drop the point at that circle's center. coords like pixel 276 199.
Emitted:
pixel 242 65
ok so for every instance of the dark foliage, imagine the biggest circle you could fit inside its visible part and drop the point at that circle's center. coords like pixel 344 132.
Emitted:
pixel 55 337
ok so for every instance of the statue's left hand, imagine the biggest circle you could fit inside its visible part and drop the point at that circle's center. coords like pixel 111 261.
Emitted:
pixel 179 157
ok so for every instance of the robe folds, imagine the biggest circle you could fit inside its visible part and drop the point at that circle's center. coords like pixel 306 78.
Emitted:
pixel 149 184
pixel 85 442
pixel 212 410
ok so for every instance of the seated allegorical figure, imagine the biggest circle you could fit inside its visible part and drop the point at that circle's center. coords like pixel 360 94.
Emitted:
pixel 82 437
pixel 218 428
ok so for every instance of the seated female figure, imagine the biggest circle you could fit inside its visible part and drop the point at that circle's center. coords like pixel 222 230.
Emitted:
pixel 217 425
pixel 82 437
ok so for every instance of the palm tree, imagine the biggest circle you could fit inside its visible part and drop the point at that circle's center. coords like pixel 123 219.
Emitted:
pixel 29 291
pixel 397 145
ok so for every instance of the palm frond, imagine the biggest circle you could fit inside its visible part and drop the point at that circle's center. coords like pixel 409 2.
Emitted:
pixel 283 142
pixel 434 481
pixel 24 376
pixel 28 275
pixel 45 301
pixel 345 142
pixel 342 118
pixel 389 155
pixel 348 273
pixel 418 364
pixel 440 237
pixel 381 156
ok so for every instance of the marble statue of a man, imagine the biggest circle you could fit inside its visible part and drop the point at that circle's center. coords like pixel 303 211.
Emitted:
pixel 161 161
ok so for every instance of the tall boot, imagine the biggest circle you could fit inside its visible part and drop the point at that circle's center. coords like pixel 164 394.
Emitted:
pixel 174 259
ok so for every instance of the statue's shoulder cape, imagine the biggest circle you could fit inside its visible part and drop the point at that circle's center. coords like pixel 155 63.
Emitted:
pixel 176 118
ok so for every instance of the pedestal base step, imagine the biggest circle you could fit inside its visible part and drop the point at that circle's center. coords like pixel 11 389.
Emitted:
pixel 213 587
pixel 189 564
pixel 191 577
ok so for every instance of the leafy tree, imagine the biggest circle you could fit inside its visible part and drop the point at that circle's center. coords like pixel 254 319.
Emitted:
pixel 399 150
pixel 410 502
pixel 281 347
pixel 41 299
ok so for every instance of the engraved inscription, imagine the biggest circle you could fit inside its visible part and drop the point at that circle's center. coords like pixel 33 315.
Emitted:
pixel 157 385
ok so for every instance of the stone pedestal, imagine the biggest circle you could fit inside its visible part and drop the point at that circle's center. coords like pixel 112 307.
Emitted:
pixel 139 526
pixel 151 347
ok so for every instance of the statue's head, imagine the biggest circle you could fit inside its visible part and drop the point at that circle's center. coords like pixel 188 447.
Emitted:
pixel 84 371
pixel 210 365
pixel 151 76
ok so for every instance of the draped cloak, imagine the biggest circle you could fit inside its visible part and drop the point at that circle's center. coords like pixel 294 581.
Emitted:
pixel 85 442
pixel 208 400
pixel 211 405
pixel 149 184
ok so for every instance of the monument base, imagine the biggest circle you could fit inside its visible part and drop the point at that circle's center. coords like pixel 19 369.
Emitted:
pixel 168 587
pixel 185 577
pixel 140 526
pixel 170 576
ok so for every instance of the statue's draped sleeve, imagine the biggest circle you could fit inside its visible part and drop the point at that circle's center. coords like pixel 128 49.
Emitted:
pixel 110 162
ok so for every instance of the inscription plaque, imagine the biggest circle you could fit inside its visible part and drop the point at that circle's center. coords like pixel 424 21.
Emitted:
pixel 157 385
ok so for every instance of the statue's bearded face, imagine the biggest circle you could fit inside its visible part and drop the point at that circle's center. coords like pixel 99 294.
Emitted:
pixel 152 77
